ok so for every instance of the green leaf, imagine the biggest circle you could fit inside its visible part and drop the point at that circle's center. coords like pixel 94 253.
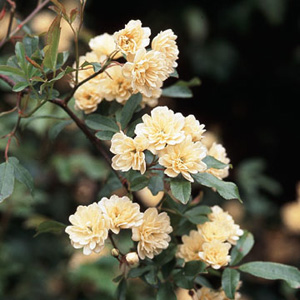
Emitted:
pixel 193 268
pixel 11 71
pixel 242 248
pixel 156 184
pixel 227 190
pixel 55 130
pixel 138 183
pixel 137 272
pixel 198 214
pixel 7 180
pixel 121 290
pixel 273 271
pixel 51 48
pixel 129 108
pixel 177 91
pixel 212 162
pixel 20 54
pixel 230 281
pixel 166 292
pixel 22 174
pixel 104 135
pixel 20 86
pixel 99 122
pixel 181 190
pixel 50 226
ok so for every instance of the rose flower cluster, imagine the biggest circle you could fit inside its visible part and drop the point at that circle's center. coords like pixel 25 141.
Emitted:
pixel 143 72
pixel 212 241
pixel 91 226
pixel 177 141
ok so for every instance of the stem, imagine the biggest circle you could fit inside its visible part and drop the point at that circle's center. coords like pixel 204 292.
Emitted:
pixel 24 22
pixel 91 137
pixel 11 18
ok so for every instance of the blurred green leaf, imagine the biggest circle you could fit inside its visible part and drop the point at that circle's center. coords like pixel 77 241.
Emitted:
pixel 99 122
pixel 273 271
pixel 228 190
pixel 7 180
pixel 212 162
pixel 105 135
pixel 20 86
pixel 198 214
pixel 22 174
pixel 181 189
pixel 181 89
pixel 50 227
pixel 242 248
pixel 51 48
pixel 11 71
pixel 166 292
pixel 121 290
pixel 156 184
pixel 129 109
pixel 230 281
pixel 55 130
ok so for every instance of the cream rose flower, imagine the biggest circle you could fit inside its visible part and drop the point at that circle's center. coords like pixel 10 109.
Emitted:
pixel 163 127
pixel 215 230
pixel 89 228
pixel 132 38
pixel 219 152
pixel 122 212
pixel 87 97
pixel 206 293
pixel 114 85
pixel 184 158
pixel 129 152
pixel 153 100
pixel 88 70
pixel 147 71
pixel 153 235
pixel 290 215
pixel 104 45
pixel 222 219
pixel 191 246
pixel 215 253
pixel 193 128
pixel 165 42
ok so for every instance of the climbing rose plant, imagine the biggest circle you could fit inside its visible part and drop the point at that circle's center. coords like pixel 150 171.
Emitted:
pixel 178 241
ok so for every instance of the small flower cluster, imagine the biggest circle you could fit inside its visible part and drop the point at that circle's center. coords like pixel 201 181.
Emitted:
pixel 212 241
pixel 175 139
pixel 143 72
pixel 91 225
pixel 206 293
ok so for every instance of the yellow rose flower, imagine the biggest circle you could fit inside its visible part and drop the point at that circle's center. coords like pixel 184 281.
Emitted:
pixel 114 85
pixel 191 246
pixel 89 228
pixel 165 42
pixel 129 152
pixel 219 216
pixel 193 128
pixel 162 128
pixel 104 45
pixel 215 253
pixel 122 212
pixel 147 71
pixel 87 97
pixel 218 152
pixel 290 215
pixel 215 230
pixel 153 235
pixel 184 158
pixel 132 38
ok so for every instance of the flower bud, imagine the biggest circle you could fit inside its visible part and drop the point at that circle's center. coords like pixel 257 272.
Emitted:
pixel 115 252
pixel 132 259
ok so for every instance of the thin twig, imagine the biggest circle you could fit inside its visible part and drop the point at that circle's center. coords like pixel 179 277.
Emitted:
pixel 24 22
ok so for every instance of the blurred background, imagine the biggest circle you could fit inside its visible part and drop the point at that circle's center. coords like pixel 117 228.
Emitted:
pixel 247 55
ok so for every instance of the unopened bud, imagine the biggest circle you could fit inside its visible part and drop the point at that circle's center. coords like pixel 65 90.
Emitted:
pixel 115 252
pixel 132 259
